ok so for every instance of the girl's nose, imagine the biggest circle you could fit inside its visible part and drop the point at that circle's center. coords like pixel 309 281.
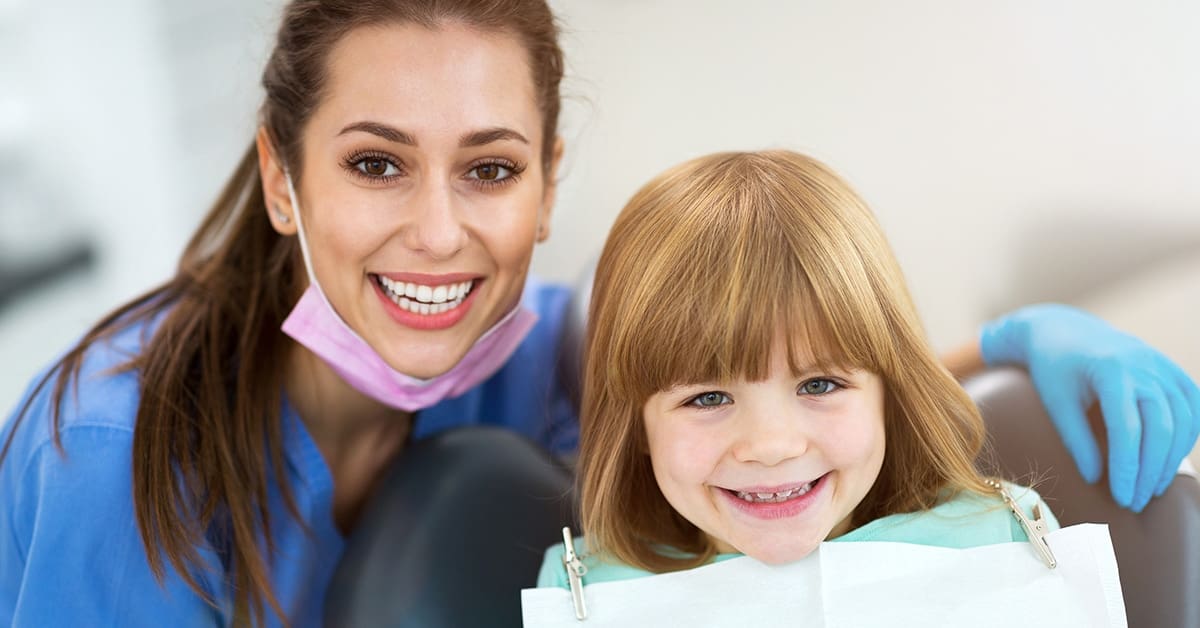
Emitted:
pixel 769 439
pixel 435 228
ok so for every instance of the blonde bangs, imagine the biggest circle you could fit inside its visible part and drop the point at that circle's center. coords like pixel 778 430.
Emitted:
pixel 721 264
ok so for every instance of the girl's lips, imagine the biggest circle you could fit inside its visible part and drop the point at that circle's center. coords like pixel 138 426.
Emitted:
pixel 789 507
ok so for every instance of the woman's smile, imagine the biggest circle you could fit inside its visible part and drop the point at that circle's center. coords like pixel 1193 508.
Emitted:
pixel 426 301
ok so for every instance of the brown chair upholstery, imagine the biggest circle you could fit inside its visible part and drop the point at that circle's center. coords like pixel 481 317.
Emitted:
pixel 1158 550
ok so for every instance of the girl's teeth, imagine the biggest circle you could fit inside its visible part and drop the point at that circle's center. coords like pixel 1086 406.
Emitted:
pixel 770 498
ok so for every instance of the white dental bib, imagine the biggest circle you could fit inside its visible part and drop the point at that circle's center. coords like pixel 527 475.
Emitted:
pixel 865 584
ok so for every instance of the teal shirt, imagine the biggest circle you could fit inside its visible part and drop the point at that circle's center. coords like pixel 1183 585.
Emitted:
pixel 968 520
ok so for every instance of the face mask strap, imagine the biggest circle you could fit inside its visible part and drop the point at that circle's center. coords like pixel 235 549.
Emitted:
pixel 312 275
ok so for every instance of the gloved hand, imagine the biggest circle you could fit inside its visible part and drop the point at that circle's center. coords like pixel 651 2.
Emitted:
pixel 1151 407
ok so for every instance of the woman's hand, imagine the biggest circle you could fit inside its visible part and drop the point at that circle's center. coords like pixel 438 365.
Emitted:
pixel 1151 407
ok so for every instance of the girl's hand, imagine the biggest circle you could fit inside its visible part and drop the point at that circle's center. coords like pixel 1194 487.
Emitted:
pixel 1151 407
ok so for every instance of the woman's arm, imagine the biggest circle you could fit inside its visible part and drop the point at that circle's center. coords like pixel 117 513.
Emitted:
pixel 964 360
pixel 70 552
pixel 1151 407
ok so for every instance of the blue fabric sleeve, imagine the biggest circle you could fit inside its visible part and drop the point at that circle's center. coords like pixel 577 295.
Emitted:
pixel 70 551
pixel 526 395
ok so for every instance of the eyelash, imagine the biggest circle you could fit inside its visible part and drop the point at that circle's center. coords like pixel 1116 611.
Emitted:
pixel 514 173
pixel 836 386
pixel 352 162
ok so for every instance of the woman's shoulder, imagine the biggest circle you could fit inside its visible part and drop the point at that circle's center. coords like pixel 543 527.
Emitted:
pixel 100 402
pixel 554 573
pixel 966 520
pixel 545 297
pixel 103 392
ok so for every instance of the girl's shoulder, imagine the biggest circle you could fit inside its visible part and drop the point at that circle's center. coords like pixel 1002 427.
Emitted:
pixel 599 569
pixel 963 521
pixel 553 572
pixel 966 520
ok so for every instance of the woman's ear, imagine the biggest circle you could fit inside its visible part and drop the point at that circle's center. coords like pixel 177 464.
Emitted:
pixel 274 186
pixel 550 191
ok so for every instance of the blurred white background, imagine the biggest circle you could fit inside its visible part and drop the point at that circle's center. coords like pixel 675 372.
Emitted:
pixel 1014 152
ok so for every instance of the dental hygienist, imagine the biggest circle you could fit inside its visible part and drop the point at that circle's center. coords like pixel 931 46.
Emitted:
pixel 361 281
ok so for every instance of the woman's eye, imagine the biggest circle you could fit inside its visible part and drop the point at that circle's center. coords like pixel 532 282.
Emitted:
pixel 377 167
pixel 710 399
pixel 818 387
pixel 490 172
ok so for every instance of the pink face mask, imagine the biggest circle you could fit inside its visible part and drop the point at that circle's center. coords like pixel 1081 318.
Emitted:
pixel 314 324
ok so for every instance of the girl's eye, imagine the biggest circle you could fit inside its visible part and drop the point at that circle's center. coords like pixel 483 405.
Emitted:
pixel 377 167
pixel 709 399
pixel 818 387
pixel 490 172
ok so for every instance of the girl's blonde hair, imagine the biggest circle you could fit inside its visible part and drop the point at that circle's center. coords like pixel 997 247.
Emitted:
pixel 701 269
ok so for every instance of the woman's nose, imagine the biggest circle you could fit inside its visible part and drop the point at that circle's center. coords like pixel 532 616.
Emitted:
pixel 435 228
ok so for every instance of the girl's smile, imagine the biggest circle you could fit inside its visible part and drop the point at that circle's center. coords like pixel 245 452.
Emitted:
pixel 776 502
pixel 769 468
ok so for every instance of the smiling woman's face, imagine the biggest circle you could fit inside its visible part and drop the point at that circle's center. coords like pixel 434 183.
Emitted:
pixel 423 188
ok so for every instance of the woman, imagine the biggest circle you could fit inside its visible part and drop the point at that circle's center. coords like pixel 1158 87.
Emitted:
pixel 405 148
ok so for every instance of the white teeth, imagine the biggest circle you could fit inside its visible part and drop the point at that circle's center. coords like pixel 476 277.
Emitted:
pixel 426 299
pixel 780 496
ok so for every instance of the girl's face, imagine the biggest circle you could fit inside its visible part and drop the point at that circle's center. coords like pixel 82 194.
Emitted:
pixel 771 468
pixel 423 189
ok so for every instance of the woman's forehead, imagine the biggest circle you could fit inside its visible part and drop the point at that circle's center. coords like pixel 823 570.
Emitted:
pixel 434 84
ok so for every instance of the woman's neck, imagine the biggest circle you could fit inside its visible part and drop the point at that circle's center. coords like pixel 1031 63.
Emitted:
pixel 356 435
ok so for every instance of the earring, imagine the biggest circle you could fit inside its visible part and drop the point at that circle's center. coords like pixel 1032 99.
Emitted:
pixel 282 217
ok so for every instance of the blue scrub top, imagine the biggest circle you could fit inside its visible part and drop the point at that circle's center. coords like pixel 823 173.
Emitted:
pixel 70 552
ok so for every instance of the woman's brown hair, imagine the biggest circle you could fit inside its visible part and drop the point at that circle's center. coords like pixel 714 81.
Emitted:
pixel 208 437
pixel 701 269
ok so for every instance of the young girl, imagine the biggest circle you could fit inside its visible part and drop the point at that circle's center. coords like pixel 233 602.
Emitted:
pixel 758 382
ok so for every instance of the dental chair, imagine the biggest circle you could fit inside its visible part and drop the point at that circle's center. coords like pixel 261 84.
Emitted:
pixel 460 523
pixel 1158 550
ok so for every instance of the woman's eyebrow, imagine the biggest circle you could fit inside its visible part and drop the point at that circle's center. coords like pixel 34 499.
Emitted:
pixel 487 136
pixel 474 138
pixel 389 133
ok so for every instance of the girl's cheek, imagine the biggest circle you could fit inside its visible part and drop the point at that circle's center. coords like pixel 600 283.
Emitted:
pixel 846 438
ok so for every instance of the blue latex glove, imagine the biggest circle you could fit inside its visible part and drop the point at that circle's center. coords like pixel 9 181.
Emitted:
pixel 1151 407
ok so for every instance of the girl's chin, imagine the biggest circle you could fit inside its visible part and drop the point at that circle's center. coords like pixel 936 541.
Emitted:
pixel 781 556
